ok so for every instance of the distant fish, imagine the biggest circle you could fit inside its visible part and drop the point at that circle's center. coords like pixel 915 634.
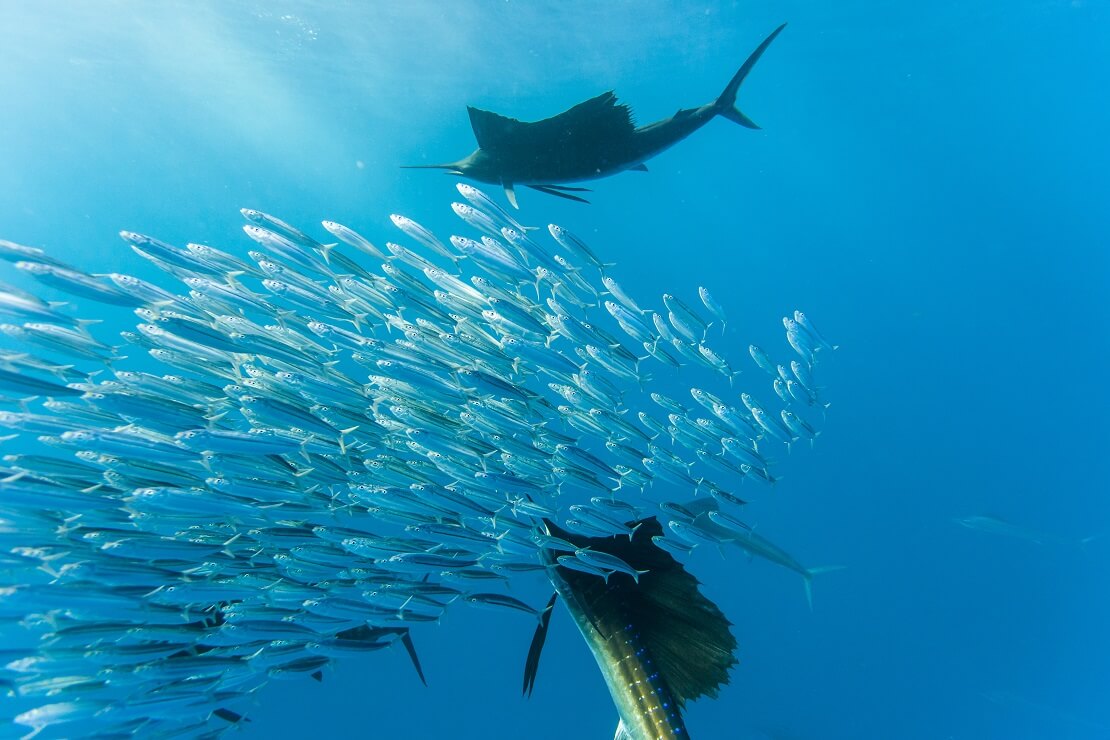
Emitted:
pixel 994 525
pixel 1047 714
pixel 594 139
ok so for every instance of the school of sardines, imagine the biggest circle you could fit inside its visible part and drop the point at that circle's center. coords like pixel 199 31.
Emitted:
pixel 338 454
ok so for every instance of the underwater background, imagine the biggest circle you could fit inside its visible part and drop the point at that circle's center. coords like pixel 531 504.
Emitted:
pixel 930 185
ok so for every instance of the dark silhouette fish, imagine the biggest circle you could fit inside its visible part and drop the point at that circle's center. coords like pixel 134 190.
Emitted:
pixel 594 139
pixel 657 640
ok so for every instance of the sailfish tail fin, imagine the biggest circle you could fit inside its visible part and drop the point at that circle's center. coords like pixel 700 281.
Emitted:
pixel 726 103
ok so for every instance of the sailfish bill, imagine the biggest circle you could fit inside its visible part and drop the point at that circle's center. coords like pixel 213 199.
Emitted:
pixel 658 642
pixel 450 169
pixel 594 139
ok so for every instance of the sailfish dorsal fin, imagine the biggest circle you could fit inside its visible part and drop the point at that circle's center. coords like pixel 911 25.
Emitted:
pixel 493 130
pixel 686 634
pixel 599 119
pixel 599 115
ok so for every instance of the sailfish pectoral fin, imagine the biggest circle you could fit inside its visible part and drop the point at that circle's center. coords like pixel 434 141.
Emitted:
pixel 550 190
pixel 406 640
pixel 532 662
pixel 567 187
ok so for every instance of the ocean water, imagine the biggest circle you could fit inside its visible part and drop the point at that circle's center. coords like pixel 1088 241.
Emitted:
pixel 930 186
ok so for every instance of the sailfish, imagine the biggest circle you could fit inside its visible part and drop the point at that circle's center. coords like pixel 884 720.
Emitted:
pixel 594 139
pixel 658 641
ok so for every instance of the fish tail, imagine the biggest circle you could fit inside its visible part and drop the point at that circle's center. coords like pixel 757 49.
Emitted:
pixel 807 577
pixel 726 103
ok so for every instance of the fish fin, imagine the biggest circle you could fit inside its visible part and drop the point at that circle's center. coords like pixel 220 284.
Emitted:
pixel 808 578
pixel 228 715
pixel 406 640
pixel 726 103
pixel 318 676
pixel 567 187
pixel 532 662
pixel 599 119
pixel 686 634
pixel 492 130
pixel 510 195
pixel 622 732
pixel 641 167
pixel 558 194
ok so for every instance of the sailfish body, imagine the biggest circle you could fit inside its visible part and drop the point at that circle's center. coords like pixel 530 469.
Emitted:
pixel 594 139
pixel 657 640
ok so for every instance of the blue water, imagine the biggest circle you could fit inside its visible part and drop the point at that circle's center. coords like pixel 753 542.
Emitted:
pixel 930 185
